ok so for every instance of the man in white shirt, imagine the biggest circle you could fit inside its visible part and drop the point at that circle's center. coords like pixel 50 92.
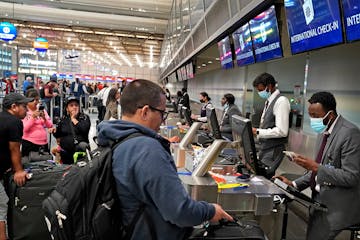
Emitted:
pixel 103 95
pixel 274 124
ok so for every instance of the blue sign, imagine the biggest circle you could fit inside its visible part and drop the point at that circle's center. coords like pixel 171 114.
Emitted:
pixel 313 24
pixel 225 53
pixel 243 46
pixel 8 31
pixel 265 35
pixel 352 19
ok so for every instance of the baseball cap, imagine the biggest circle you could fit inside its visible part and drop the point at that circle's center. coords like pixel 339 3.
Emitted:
pixel 12 98
pixel 72 98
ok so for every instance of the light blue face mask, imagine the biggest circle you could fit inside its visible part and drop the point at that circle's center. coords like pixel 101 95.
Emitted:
pixel 264 94
pixel 317 124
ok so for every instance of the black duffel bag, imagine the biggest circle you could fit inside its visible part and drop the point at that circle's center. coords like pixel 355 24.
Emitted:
pixel 226 230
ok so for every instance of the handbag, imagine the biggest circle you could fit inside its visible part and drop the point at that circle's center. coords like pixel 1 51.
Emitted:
pixel 99 102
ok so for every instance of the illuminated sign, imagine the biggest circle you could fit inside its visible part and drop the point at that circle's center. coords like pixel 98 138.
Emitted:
pixel 41 44
pixel 7 31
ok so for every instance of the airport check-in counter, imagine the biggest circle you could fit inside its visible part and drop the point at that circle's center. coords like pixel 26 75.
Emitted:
pixel 253 202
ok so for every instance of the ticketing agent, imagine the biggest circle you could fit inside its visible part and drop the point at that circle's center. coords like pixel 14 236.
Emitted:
pixel 205 100
pixel 274 124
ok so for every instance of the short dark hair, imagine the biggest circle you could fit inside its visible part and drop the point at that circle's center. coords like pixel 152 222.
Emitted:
pixel 32 93
pixel 229 98
pixel 264 79
pixel 138 93
pixel 184 90
pixel 204 94
pixel 326 99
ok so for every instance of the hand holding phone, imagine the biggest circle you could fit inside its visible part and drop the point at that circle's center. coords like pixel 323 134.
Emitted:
pixel 41 108
pixel 291 155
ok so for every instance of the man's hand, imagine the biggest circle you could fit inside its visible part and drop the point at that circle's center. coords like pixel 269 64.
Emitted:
pixel 254 131
pixel 220 214
pixel 285 180
pixel 20 177
pixel 306 163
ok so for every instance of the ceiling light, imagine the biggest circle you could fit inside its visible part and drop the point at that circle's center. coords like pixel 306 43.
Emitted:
pixel 217 59
pixel 209 61
pixel 24 35
pixel 138 60
pixel 151 64
pixel 125 59
pixel 204 65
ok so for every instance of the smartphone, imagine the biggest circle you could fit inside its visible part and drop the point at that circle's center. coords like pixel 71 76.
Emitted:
pixel 41 108
pixel 290 155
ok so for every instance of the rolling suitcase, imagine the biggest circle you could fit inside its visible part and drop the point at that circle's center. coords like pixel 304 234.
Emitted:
pixel 25 215
pixel 230 231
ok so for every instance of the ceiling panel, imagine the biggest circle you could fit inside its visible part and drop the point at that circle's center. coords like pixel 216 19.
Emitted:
pixel 115 26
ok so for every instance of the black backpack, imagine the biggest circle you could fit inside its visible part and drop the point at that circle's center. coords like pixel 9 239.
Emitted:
pixel 84 204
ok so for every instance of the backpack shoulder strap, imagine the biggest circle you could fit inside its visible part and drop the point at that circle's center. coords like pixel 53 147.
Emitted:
pixel 130 228
pixel 121 140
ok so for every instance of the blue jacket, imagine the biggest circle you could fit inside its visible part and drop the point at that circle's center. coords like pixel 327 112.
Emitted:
pixel 145 172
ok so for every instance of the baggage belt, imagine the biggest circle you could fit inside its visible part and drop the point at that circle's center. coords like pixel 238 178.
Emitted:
pixel 25 215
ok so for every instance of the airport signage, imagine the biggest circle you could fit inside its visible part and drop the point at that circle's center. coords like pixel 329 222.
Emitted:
pixel 8 31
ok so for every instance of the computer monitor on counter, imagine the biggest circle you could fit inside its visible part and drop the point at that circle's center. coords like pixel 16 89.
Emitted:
pixel 245 144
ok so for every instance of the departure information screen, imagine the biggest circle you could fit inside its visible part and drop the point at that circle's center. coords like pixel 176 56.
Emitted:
pixel 265 35
pixel 243 46
pixel 313 24
pixel 351 10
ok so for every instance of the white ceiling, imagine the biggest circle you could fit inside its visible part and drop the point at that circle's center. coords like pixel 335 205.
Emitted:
pixel 114 26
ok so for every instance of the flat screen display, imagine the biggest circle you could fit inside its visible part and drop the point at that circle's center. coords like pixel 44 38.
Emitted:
pixel 351 10
pixel 243 46
pixel 190 70
pixel 225 53
pixel 265 35
pixel 313 24
pixel 179 75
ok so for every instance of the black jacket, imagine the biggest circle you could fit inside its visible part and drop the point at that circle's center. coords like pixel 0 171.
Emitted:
pixel 81 130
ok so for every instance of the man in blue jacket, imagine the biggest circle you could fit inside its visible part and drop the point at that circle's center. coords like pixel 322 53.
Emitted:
pixel 145 172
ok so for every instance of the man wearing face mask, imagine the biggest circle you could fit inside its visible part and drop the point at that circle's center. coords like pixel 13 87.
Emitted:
pixel 230 109
pixel 334 176
pixel 274 124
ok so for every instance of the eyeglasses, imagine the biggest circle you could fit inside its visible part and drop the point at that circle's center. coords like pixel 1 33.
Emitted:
pixel 164 114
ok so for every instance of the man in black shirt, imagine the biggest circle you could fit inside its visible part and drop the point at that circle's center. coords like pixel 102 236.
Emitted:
pixel 11 131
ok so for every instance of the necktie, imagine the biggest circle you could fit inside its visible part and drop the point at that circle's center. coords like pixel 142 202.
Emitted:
pixel 266 105
pixel 318 160
pixel 263 113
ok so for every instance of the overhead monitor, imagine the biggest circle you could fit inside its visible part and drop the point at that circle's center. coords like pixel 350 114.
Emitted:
pixel 245 144
pixel 190 70
pixel 243 46
pixel 265 35
pixel 351 9
pixel 179 75
pixel 213 122
pixel 313 24
pixel 225 53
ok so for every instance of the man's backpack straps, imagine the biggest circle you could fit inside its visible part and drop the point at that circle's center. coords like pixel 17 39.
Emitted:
pixel 130 228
